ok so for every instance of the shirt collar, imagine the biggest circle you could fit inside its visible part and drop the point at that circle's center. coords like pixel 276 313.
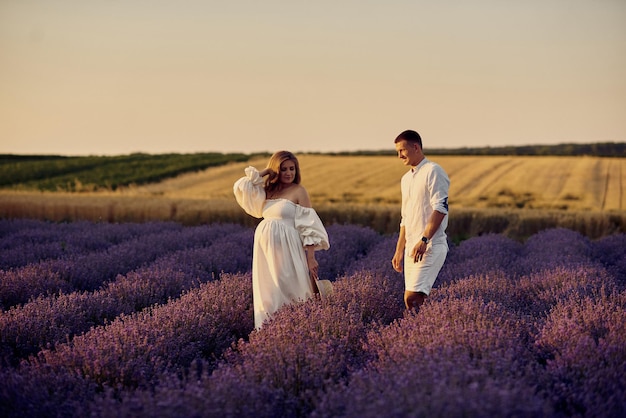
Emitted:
pixel 417 167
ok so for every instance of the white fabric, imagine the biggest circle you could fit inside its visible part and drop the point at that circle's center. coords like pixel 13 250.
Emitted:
pixel 280 272
pixel 421 276
pixel 424 190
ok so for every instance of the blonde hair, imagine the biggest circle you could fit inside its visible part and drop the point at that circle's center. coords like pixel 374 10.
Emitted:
pixel 279 157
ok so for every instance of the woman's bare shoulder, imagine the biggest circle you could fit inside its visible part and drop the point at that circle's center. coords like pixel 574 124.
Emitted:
pixel 303 196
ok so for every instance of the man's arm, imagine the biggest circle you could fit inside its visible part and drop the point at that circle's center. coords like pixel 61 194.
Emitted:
pixel 434 222
pixel 399 254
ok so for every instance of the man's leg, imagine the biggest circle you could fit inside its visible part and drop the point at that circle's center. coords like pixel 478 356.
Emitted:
pixel 419 277
pixel 413 300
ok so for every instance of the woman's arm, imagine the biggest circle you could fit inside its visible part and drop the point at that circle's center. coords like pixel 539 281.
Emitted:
pixel 311 261
pixel 265 172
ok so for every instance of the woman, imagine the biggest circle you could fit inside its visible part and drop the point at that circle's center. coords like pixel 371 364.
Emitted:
pixel 284 268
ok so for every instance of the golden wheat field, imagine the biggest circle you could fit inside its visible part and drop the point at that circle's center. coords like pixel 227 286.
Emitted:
pixel 487 194
pixel 579 183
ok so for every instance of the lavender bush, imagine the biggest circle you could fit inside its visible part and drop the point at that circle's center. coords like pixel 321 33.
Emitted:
pixel 611 252
pixel 482 255
pixel 377 260
pixel 553 248
pixel 282 370
pixel 584 344
pixel 89 271
pixel 49 320
pixel 28 241
pixel 200 324
pixel 533 295
pixel 348 242
pixel 456 358
pixel 372 297
pixel 154 329
pixel 86 271
pixel 19 285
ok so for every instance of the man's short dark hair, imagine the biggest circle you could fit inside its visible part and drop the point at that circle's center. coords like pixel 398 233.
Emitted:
pixel 410 136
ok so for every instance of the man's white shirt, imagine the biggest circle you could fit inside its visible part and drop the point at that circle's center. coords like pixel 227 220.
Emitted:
pixel 424 190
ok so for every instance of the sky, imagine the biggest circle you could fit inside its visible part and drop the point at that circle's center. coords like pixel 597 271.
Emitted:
pixel 110 77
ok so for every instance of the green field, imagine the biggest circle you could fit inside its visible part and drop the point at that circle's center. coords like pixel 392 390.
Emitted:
pixel 60 173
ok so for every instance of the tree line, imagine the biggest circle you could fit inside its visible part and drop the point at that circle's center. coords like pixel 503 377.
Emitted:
pixel 600 149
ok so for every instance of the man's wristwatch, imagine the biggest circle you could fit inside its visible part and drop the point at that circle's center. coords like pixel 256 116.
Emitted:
pixel 425 240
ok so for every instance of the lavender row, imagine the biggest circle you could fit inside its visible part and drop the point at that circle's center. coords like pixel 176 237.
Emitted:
pixel 536 294
pixel 583 344
pixel 495 253
pixel 28 241
pixel 45 321
pixel 57 315
pixel 321 359
pixel 24 330
pixel 491 331
pixel 460 356
pixel 132 351
pixel 546 249
pixel 187 336
pixel 611 252
pixel 91 270
pixel 349 243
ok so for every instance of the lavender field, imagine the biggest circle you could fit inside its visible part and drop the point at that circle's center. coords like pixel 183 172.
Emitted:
pixel 155 320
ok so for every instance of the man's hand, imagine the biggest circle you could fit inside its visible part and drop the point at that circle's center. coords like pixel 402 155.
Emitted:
pixel 418 251
pixel 396 262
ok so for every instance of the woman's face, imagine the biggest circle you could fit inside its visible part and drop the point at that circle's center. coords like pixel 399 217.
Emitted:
pixel 287 172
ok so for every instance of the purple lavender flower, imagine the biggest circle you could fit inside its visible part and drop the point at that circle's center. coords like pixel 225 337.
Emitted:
pixel 455 358
pixel 611 252
pixel 555 247
pixel 164 327
pixel 481 255
pixel 348 243
pixel 132 350
pixel 584 344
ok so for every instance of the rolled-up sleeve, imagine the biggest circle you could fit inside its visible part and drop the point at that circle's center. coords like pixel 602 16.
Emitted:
pixel 439 184
pixel 250 193
pixel 311 228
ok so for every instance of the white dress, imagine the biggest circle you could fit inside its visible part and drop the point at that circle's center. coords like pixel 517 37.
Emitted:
pixel 280 273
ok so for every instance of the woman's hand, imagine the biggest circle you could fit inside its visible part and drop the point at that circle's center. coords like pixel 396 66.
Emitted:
pixel 267 171
pixel 312 263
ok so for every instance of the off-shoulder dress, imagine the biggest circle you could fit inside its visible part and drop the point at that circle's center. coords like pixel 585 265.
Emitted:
pixel 280 273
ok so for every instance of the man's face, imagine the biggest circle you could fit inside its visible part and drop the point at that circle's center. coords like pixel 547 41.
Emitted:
pixel 408 152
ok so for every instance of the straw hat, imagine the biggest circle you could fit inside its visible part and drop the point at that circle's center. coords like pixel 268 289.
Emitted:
pixel 325 287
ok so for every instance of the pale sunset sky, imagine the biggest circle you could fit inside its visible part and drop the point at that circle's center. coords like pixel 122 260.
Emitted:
pixel 108 77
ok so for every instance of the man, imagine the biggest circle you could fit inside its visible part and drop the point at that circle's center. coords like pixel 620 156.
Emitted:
pixel 422 242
